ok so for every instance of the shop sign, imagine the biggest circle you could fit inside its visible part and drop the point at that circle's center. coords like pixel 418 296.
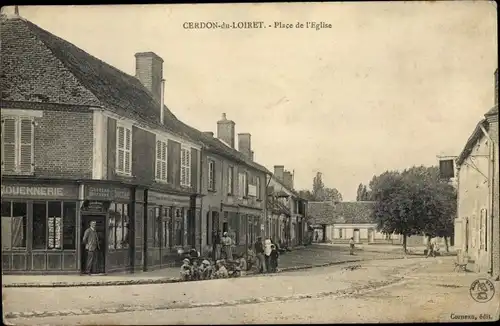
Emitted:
pixel 40 191
pixel 106 193
pixel 95 206
pixel 167 200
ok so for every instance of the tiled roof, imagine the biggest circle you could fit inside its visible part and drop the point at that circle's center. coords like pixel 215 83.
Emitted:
pixel 492 111
pixel 277 207
pixel 38 66
pixel 340 213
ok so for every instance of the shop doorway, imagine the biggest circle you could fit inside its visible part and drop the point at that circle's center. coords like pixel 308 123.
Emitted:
pixel 101 233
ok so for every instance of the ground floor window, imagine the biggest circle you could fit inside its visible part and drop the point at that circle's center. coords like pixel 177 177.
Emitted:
pixel 118 226
pixel 14 221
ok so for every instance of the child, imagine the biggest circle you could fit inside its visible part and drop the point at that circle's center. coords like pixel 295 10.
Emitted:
pixel 274 259
pixel 205 270
pixel 195 270
pixel 242 265
pixel 186 270
pixel 221 270
pixel 251 258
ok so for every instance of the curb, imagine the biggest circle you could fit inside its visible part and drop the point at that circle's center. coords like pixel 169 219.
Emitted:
pixel 178 280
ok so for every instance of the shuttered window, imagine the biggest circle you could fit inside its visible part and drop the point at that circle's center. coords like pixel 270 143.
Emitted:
pixel 211 175
pixel 161 160
pixel 123 150
pixel 17 145
pixel 186 167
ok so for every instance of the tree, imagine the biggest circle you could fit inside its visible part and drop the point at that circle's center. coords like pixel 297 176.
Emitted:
pixel 319 192
pixel 307 195
pixel 412 202
pixel 362 193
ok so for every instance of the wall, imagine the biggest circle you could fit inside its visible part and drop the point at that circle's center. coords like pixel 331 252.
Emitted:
pixel 472 199
pixel 495 213
pixel 212 199
pixel 63 144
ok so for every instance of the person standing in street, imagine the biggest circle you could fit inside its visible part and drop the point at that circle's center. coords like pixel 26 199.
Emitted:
pixel 351 246
pixel 216 245
pixel 91 242
pixel 267 254
pixel 227 244
pixel 259 251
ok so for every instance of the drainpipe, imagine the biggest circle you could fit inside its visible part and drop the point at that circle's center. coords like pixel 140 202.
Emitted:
pixel 491 154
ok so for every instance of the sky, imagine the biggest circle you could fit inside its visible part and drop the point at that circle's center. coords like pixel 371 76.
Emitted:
pixel 390 84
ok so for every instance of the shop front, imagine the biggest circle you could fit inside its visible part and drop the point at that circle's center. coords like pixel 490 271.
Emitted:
pixel 172 221
pixel 40 226
pixel 112 208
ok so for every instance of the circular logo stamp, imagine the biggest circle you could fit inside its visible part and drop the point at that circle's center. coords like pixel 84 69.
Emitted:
pixel 482 290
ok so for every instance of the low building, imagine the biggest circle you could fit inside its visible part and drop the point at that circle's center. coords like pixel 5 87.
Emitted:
pixel 477 230
pixel 337 222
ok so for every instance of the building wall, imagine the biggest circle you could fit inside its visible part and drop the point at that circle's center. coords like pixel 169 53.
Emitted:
pixel 63 144
pixel 292 203
pixel 473 205
pixel 214 200
pixel 495 213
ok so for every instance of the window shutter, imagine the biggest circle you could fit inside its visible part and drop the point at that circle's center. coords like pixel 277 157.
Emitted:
pixel 158 158
pixel 164 163
pixel 9 145
pixel 120 131
pixel 183 168
pixel 128 146
pixel 26 146
pixel 188 167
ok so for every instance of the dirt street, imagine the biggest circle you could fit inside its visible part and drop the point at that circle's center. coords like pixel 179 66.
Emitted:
pixel 377 291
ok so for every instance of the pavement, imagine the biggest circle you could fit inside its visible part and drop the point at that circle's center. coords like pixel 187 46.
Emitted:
pixel 391 290
pixel 316 255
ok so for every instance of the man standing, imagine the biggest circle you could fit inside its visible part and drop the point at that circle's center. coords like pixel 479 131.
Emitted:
pixel 216 245
pixel 351 246
pixel 91 242
pixel 259 251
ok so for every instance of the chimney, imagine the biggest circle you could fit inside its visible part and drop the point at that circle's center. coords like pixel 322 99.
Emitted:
pixel 245 144
pixel 16 10
pixel 278 172
pixel 496 87
pixel 209 133
pixel 225 130
pixel 288 179
pixel 149 70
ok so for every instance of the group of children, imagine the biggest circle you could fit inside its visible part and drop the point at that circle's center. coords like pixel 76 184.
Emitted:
pixel 191 270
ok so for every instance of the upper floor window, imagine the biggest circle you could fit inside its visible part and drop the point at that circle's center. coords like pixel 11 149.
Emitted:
pixel 242 184
pixel 211 175
pixel 124 150
pixel 161 160
pixel 17 145
pixel 186 167
pixel 230 182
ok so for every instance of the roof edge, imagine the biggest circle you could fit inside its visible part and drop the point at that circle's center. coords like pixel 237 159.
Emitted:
pixel 474 137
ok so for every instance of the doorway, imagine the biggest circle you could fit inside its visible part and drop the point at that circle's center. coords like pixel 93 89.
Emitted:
pixel 101 233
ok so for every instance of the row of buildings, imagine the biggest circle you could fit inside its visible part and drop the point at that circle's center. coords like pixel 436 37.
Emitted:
pixel 83 141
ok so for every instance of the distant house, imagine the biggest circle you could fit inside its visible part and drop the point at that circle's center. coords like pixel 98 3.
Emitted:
pixel 477 230
pixel 338 222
